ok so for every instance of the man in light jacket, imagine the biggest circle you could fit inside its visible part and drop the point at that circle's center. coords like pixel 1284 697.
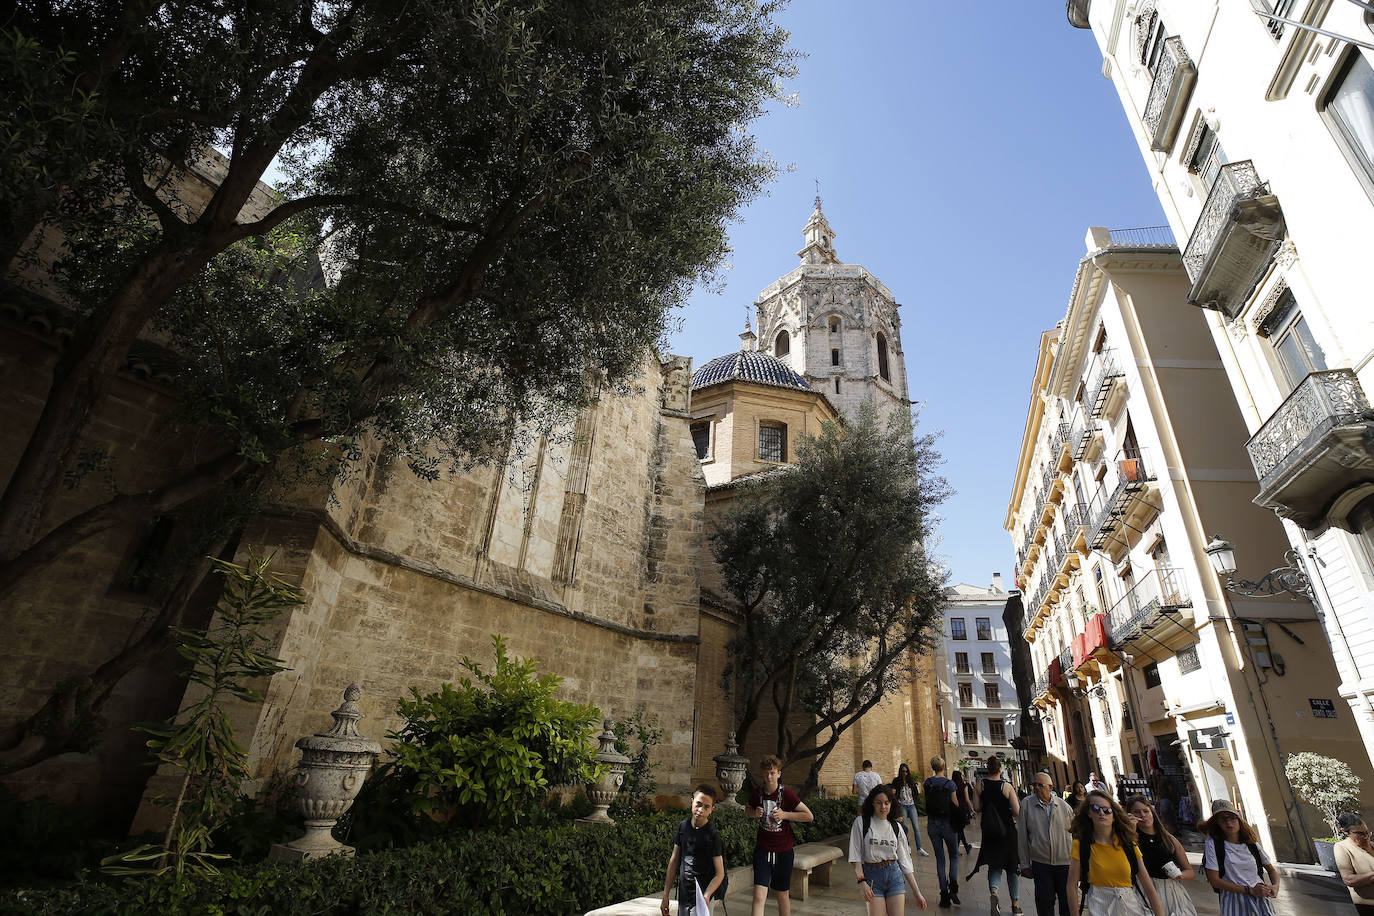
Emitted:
pixel 1042 831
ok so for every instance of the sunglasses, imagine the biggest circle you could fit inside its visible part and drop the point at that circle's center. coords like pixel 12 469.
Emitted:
pixel 1101 809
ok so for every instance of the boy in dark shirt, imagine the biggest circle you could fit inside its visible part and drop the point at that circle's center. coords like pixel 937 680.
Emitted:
pixel 698 849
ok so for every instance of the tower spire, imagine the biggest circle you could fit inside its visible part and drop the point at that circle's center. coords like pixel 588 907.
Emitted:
pixel 820 238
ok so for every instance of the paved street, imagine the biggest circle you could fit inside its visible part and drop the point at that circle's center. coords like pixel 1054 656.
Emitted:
pixel 1298 896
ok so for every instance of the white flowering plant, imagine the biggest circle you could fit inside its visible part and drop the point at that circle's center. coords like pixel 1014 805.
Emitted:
pixel 1326 783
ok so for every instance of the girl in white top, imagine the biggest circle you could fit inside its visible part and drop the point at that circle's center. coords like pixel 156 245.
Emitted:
pixel 881 857
pixel 1239 881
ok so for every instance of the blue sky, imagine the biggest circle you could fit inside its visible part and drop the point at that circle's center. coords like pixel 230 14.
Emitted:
pixel 963 151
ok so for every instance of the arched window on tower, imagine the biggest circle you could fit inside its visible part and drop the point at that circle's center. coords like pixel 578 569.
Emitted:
pixel 882 358
pixel 834 324
pixel 782 344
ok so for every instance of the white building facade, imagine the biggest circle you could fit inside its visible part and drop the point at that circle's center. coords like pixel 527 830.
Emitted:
pixel 1258 137
pixel 978 696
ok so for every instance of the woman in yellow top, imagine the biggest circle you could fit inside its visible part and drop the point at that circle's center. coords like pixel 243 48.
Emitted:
pixel 1104 835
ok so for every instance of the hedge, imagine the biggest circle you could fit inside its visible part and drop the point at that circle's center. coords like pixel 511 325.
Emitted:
pixel 534 871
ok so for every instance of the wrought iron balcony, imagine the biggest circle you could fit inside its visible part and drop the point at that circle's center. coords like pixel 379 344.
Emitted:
pixel 1042 686
pixel 1102 376
pixel 1238 232
pixel 1065 662
pixel 1074 518
pixel 1316 446
pixel 1061 438
pixel 1108 508
pixel 1173 84
pixel 1161 592
pixel 1078 13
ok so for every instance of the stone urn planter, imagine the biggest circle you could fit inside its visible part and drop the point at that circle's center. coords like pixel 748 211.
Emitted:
pixel 730 769
pixel 331 772
pixel 604 790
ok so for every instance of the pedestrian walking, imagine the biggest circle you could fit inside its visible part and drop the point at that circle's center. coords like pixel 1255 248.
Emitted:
pixel 777 807
pixel 866 780
pixel 881 857
pixel 1235 863
pixel 1164 858
pixel 1076 795
pixel 963 792
pixel 1105 877
pixel 1046 849
pixel 942 806
pixel 906 788
pixel 998 806
pixel 1355 862
pixel 697 863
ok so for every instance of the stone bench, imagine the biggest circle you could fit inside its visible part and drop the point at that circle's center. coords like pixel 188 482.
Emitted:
pixel 640 906
pixel 811 862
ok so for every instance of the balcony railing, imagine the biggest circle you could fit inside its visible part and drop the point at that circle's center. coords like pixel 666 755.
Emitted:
pixel 1066 661
pixel 1314 447
pixel 1161 591
pixel 1061 438
pixel 1240 228
pixel 1042 686
pixel 1074 517
pixel 1143 237
pixel 1102 374
pixel 1169 92
pixel 1108 507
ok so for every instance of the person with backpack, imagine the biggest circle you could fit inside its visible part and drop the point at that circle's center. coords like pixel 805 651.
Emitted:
pixel 881 857
pixel 1105 872
pixel 1234 863
pixel 964 816
pixel 942 807
pixel 1164 857
pixel 697 860
pixel 999 806
pixel 776 807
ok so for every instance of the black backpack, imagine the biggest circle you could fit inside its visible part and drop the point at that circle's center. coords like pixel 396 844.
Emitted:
pixel 937 800
pixel 1085 854
pixel 1220 847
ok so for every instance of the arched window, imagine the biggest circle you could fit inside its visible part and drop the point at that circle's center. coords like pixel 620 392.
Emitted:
pixel 882 358
pixel 834 324
pixel 782 344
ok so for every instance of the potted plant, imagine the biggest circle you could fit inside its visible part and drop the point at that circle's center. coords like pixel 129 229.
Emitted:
pixel 1330 786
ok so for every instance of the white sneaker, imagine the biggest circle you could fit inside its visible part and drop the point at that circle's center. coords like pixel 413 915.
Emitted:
pixel 923 852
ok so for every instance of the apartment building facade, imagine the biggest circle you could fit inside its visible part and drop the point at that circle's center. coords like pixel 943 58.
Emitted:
pixel 1258 137
pixel 1145 667
pixel 978 693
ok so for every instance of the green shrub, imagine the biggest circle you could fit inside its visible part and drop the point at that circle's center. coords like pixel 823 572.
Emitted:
pixel 528 871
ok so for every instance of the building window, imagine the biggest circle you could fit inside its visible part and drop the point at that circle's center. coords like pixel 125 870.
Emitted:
pixel 1107 724
pixel 957 629
pixel 1151 674
pixel 773 442
pixel 834 357
pixel 701 438
pixel 997 731
pixel 1188 660
pixel 1361 521
pixel 1296 351
pixel 970 731
pixel 837 386
pixel 989 663
pixel 1207 157
pixel 984 625
pixel 965 694
pixel 782 344
pixel 1282 8
pixel 882 358
pixel 961 662
pixel 1348 110
pixel 834 325
pixel 993 694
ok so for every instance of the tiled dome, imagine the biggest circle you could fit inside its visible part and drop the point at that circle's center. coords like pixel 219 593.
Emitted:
pixel 748 366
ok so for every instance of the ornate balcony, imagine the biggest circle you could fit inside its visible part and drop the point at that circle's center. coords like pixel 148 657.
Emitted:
pixel 1239 230
pixel 1148 606
pixel 1061 438
pixel 1102 376
pixel 1108 509
pixel 1316 446
pixel 1065 663
pixel 1078 13
pixel 1169 93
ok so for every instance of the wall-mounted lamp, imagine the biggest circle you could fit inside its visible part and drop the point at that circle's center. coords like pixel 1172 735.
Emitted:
pixel 1290 578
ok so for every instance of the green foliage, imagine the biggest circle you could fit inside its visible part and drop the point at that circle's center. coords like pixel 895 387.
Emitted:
pixel 826 561
pixel 225 661
pixel 527 871
pixel 636 736
pixel 488 750
pixel 1328 784
pixel 43 840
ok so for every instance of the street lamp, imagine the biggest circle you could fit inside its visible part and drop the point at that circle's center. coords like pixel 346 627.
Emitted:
pixel 1290 578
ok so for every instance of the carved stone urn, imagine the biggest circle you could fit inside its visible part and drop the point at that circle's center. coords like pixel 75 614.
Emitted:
pixel 331 772
pixel 730 770
pixel 602 792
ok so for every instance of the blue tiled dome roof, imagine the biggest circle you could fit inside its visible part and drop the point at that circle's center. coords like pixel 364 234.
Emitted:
pixel 748 366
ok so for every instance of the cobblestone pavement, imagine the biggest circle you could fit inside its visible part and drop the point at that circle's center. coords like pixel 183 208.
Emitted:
pixel 1299 895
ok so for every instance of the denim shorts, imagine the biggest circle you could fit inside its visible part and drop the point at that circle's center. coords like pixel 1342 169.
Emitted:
pixel 886 880
pixel 773 869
